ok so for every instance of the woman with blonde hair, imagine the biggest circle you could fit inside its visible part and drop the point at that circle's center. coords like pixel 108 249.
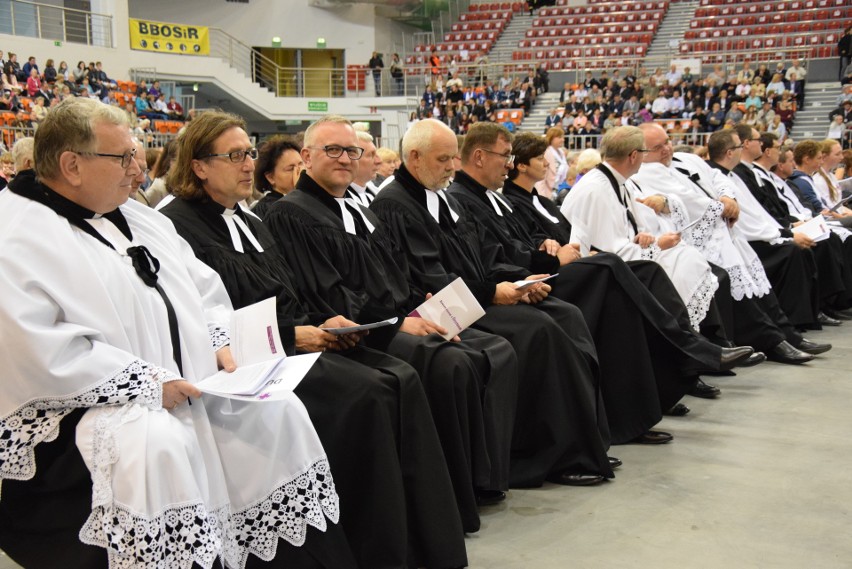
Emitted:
pixel 557 163
pixel 586 160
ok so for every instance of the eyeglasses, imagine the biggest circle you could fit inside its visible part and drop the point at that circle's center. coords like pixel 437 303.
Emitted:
pixel 643 150
pixel 660 146
pixel 509 158
pixel 126 158
pixel 736 147
pixel 335 151
pixel 237 156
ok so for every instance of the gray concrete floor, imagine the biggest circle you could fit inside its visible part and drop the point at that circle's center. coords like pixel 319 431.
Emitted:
pixel 754 479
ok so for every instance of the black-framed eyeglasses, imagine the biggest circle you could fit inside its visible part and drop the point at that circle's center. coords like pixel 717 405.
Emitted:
pixel 660 146
pixel 736 147
pixel 126 158
pixel 509 158
pixel 336 151
pixel 643 150
pixel 236 156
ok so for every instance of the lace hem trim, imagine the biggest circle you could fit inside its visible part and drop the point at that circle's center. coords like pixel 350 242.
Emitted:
pixel 650 253
pixel 187 534
pixel 219 335
pixel 38 421
pixel 699 303
pixel 286 513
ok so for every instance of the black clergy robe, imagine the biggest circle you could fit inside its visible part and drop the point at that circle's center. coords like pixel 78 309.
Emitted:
pixel 261 206
pixel 792 272
pixel 557 422
pixel 471 385
pixel 618 309
pixel 367 407
pixel 833 276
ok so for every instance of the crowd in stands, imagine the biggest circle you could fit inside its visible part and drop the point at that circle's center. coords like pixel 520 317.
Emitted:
pixel 762 96
pixel 29 92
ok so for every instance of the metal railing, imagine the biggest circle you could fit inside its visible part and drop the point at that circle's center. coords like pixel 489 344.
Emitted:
pixel 30 19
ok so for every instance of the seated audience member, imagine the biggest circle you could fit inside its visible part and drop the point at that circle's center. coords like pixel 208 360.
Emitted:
pixel 97 403
pixel 351 392
pixel 174 109
pixel 279 165
pixel 33 83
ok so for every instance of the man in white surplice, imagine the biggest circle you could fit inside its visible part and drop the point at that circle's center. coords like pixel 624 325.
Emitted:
pixel 605 215
pixel 709 212
pixel 683 182
pixel 107 320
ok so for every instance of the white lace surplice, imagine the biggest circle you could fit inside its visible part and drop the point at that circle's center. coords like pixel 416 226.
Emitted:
pixel 599 220
pixel 719 244
pixel 80 329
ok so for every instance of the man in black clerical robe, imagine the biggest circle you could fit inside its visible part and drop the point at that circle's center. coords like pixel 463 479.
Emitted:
pixel 337 272
pixel 442 241
pixel 833 277
pixel 369 409
pixel 344 258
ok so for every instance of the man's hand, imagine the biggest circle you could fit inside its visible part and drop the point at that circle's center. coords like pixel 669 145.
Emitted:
pixel 423 327
pixel 507 294
pixel 536 293
pixel 668 240
pixel 644 240
pixel 549 246
pixel 802 241
pixel 568 254
pixel 657 202
pixel 225 359
pixel 313 339
pixel 344 341
pixel 177 391
pixel 732 210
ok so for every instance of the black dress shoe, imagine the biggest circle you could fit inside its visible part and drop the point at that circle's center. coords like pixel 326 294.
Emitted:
pixel 653 438
pixel 813 347
pixel 574 479
pixel 679 410
pixel 837 314
pixel 754 359
pixel 705 391
pixel 614 462
pixel 489 497
pixel 732 357
pixel 785 353
pixel 826 320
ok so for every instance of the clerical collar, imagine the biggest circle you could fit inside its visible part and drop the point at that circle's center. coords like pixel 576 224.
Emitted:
pixel 25 184
pixel 718 166
pixel 468 182
pixel 616 174
pixel 310 187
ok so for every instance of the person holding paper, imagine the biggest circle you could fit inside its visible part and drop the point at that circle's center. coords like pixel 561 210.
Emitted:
pixel 343 264
pixel 369 408
pixel 654 306
pixel 606 214
pixel 108 320
pixel 751 313
pixel 827 257
pixel 440 244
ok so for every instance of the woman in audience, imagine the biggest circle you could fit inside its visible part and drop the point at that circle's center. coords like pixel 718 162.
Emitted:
pixel 557 163
pixel 33 83
pixel 63 71
pixel 80 72
pixel 278 167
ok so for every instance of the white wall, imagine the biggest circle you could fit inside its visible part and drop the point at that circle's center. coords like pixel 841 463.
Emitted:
pixel 351 28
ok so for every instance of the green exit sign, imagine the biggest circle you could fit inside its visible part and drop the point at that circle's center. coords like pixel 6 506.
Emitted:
pixel 57 43
pixel 318 106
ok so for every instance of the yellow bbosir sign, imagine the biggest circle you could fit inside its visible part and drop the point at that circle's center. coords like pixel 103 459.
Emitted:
pixel 169 38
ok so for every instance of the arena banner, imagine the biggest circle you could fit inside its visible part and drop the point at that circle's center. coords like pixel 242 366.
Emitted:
pixel 146 35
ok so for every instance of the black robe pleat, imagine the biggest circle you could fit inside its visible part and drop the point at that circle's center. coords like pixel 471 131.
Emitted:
pixel 366 406
pixel 261 206
pixel 544 442
pixel 473 405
